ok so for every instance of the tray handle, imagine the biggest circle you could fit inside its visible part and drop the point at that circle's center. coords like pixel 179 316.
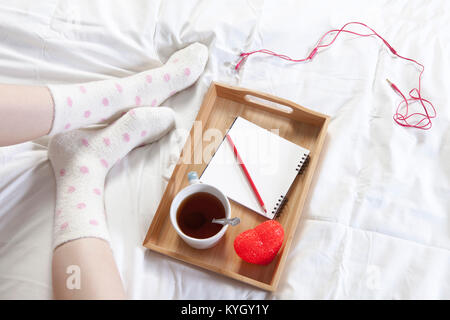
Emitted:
pixel 270 103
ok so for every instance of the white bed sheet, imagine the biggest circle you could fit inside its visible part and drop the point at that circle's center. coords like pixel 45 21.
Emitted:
pixel 377 221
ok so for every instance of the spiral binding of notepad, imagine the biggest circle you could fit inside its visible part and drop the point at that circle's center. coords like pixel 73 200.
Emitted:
pixel 279 206
pixel 303 163
pixel 283 199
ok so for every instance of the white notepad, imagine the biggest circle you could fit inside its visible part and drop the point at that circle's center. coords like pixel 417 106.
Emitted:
pixel 272 162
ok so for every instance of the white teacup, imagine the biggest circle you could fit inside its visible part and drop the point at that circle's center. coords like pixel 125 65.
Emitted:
pixel 196 186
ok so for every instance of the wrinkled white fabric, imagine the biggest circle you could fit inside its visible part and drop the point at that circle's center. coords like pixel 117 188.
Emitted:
pixel 376 223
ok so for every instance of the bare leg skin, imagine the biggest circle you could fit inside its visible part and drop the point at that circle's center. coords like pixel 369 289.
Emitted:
pixel 26 113
pixel 85 269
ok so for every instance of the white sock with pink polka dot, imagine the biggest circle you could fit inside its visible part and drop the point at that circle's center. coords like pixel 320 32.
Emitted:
pixel 80 105
pixel 82 158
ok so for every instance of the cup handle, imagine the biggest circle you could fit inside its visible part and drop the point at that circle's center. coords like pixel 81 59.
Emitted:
pixel 193 177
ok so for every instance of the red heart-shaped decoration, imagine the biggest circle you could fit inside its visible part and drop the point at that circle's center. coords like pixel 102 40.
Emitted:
pixel 261 244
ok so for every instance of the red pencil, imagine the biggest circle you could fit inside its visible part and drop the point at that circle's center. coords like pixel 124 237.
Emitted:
pixel 241 163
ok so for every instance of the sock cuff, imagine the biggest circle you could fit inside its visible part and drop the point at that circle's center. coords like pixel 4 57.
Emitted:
pixel 84 232
pixel 54 110
pixel 59 98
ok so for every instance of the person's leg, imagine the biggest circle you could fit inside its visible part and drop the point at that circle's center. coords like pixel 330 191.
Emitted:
pixel 85 269
pixel 26 113
pixel 82 104
pixel 81 160
pixel 29 112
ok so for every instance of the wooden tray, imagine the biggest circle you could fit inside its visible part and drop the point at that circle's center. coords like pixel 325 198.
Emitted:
pixel 221 105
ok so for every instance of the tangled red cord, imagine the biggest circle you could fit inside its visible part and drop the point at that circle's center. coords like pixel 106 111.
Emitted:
pixel 402 116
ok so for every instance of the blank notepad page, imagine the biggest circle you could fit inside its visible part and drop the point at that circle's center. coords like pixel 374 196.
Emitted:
pixel 272 162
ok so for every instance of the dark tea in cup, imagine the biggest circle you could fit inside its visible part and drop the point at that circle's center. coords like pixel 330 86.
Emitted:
pixel 196 212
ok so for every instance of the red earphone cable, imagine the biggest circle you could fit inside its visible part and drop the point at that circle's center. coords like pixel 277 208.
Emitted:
pixel 423 120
